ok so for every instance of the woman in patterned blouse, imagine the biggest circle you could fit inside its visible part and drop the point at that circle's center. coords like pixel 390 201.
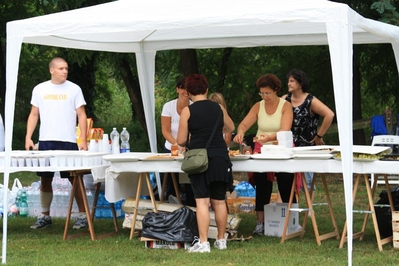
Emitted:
pixel 307 111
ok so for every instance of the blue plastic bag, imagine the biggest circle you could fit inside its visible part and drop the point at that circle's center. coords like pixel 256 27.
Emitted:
pixel 244 189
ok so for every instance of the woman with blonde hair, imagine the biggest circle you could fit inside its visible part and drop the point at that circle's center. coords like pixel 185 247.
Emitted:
pixel 218 98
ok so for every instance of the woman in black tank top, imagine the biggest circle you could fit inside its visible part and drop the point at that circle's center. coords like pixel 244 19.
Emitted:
pixel 196 125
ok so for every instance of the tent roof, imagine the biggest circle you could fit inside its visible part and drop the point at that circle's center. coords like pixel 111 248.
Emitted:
pixel 145 27
pixel 125 26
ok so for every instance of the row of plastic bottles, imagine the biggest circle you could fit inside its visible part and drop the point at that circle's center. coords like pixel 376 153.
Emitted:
pixel 30 204
pixel 21 203
pixel 124 146
pixel 27 202
pixel 61 195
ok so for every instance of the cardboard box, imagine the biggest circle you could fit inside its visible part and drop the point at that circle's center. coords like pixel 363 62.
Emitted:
pixel 275 198
pixel 213 233
pixel 245 204
pixel 395 226
pixel 395 221
pixel 395 240
pixel 275 214
pixel 155 243
pixel 241 205
pixel 127 222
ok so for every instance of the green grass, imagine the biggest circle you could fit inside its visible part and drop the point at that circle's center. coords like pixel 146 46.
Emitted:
pixel 46 247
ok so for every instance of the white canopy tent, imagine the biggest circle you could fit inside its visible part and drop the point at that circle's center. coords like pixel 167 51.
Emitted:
pixel 145 27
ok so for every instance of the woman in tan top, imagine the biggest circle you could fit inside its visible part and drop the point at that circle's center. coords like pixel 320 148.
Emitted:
pixel 272 114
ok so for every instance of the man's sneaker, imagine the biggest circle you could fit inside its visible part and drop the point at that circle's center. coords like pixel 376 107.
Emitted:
pixel 199 247
pixel 220 244
pixel 81 222
pixel 259 229
pixel 43 221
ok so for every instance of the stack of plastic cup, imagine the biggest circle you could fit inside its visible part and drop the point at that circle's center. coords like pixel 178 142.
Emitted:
pixel 105 144
pixel 285 139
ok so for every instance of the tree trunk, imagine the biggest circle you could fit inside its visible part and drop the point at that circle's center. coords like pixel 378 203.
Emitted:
pixel 133 88
pixel 188 60
pixel 223 67
pixel 85 81
pixel 358 135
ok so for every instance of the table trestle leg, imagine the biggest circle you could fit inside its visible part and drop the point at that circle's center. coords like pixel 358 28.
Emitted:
pixel 370 211
pixel 136 205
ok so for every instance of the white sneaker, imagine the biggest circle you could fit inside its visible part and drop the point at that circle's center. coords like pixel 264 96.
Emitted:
pixel 199 247
pixel 220 244
pixel 259 229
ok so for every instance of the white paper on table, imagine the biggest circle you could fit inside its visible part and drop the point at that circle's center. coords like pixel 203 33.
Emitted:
pixel 369 149
pixel 275 149
pixel 315 149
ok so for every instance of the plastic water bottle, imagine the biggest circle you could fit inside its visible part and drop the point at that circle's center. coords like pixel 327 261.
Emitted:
pixel 23 205
pixel 18 201
pixel 34 198
pixel 29 196
pixel 125 146
pixel 115 141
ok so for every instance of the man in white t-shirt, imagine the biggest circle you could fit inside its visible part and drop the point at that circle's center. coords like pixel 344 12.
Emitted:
pixel 57 103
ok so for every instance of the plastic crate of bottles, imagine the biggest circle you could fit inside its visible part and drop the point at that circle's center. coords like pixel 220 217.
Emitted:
pixel 61 195
pixel 103 210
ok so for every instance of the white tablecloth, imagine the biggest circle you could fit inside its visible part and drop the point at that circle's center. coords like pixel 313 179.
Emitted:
pixel 121 184
pixel 50 168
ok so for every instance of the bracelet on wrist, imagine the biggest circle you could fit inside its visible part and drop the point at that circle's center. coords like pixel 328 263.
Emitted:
pixel 320 137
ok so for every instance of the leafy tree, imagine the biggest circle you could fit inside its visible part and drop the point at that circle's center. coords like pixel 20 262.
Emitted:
pixel 375 71
pixel 34 58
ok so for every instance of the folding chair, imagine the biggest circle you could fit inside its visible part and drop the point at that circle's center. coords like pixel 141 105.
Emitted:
pixel 385 140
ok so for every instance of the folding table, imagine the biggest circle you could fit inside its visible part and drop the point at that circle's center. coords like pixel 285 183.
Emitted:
pixel 118 186
pixel 78 184
pixel 309 210
pixel 78 163
pixel 370 210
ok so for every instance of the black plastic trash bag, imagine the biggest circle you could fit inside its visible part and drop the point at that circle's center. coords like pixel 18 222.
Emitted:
pixel 395 197
pixel 177 226
pixel 384 215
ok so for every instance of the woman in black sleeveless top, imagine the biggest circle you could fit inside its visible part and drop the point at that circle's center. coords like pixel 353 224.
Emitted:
pixel 307 112
pixel 198 121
